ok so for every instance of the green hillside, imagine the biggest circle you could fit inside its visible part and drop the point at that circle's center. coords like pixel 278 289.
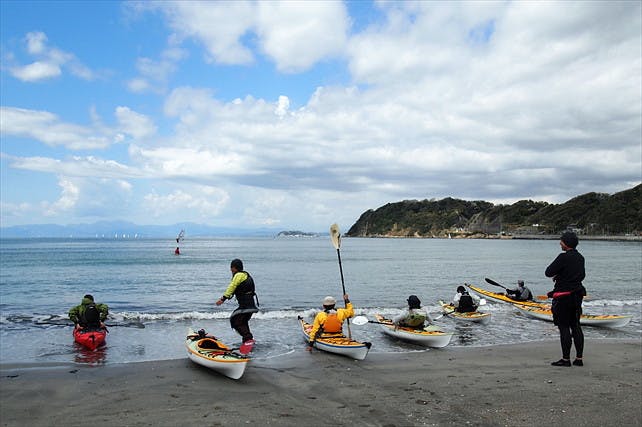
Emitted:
pixel 589 214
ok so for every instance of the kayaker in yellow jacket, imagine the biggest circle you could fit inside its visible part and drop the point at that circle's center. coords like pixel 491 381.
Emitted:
pixel 242 287
pixel 330 320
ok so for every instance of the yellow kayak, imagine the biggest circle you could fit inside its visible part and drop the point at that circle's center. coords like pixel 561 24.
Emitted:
pixel 501 297
pixel 472 316
pixel 604 320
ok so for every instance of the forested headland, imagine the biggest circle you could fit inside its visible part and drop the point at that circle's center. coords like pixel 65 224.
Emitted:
pixel 591 214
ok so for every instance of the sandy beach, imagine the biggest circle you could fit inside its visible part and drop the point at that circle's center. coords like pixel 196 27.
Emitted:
pixel 484 386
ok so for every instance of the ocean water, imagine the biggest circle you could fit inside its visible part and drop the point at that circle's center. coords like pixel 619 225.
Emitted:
pixel 154 295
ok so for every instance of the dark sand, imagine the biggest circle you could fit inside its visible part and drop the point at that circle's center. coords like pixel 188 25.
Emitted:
pixel 489 386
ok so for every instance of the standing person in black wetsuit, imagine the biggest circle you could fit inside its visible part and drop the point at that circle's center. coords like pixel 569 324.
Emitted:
pixel 241 286
pixel 567 271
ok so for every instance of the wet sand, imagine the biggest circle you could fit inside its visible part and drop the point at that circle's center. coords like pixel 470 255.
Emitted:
pixel 488 386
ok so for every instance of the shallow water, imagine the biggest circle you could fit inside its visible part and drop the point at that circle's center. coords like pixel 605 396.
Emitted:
pixel 154 296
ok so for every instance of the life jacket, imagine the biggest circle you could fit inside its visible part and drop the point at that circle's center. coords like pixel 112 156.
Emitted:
pixel 414 319
pixel 332 325
pixel 245 294
pixel 90 317
pixel 466 303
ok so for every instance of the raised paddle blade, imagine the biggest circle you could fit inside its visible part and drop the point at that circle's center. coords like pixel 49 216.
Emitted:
pixel 335 236
pixel 494 283
pixel 360 320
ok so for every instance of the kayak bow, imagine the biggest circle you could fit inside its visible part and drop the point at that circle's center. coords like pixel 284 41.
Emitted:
pixel 208 351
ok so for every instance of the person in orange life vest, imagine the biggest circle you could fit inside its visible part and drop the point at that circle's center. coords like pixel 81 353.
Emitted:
pixel 330 320
pixel 242 287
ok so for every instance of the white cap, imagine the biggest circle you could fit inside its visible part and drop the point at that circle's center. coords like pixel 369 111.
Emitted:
pixel 329 301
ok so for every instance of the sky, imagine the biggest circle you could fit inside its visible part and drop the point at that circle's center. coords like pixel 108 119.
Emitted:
pixel 299 114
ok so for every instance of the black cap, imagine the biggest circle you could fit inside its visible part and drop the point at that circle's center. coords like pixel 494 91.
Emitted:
pixel 461 289
pixel 237 263
pixel 413 301
pixel 570 239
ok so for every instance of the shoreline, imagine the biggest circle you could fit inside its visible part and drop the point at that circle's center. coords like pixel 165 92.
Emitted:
pixel 481 236
pixel 486 386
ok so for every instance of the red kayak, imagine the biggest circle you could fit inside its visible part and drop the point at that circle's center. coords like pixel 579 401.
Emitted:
pixel 90 339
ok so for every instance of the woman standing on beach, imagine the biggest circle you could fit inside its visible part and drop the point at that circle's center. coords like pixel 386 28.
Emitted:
pixel 567 271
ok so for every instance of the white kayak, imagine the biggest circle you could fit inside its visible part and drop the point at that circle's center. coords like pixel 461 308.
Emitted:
pixel 336 343
pixel 208 351
pixel 603 320
pixel 430 336
pixel 472 316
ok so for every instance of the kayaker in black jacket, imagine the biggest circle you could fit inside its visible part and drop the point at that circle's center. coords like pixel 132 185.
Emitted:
pixel 242 287
pixel 464 302
pixel 567 271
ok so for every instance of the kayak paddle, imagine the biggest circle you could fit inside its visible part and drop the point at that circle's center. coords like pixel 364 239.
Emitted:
pixel 335 237
pixel 494 283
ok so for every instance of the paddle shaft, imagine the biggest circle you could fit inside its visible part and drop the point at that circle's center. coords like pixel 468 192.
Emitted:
pixel 343 288
pixel 494 283
pixel 343 285
pixel 380 323
pixel 335 238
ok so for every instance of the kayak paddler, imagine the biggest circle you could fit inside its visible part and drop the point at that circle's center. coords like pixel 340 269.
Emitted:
pixel 88 314
pixel 521 293
pixel 464 302
pixel 330 320
pixel 242 287
pixel 414 316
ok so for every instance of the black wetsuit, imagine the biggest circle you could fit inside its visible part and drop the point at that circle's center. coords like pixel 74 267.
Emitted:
pixel 567 270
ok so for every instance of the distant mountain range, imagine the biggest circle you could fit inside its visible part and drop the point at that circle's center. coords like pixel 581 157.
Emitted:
pixel 588 214
pixel 128 230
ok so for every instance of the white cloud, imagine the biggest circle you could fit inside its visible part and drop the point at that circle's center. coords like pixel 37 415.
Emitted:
pixel 297 34
pixel 36 71
pixel 36 42
pixel 495 101
pixel 135 124
pixel 68 198
pixel 154 75
pixel 217 25
pixel 49 63
pixel 200 202
pixel 87 167
pixel 48 128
